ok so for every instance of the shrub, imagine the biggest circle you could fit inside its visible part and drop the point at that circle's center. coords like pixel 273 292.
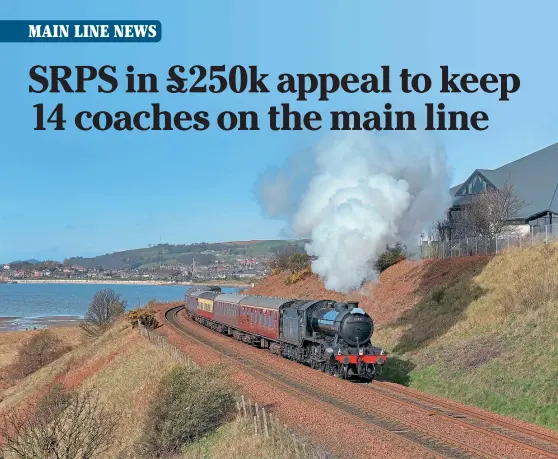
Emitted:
pixel 289 261
pixel 65 425
pixel 298 275
pixel 151 303
pixel 191 403
pixel 42 348
pixel 104 307
pixel 146 317
pixel 391 256
pixel 438 294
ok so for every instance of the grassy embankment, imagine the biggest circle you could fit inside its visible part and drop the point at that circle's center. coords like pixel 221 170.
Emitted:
pixel 125 371
pixel 487 338
pixel 11 341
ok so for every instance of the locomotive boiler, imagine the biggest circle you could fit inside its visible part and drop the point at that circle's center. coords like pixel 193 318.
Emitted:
pixel 347 320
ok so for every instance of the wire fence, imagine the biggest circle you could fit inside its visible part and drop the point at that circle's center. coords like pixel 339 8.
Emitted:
pixel 257 419
pixel 487 245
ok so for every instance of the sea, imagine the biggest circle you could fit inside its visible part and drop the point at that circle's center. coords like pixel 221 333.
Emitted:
pixel 27 306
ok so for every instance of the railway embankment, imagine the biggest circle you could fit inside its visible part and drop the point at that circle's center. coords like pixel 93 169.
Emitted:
pixel 479 330
pixel 143 391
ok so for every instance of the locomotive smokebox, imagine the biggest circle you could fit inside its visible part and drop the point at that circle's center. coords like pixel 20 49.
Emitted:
pixel 347 320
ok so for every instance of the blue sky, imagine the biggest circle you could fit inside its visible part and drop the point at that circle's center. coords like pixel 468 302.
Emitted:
pixel 87 193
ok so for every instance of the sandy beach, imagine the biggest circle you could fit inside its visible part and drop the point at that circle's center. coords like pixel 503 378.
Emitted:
pixel 10 324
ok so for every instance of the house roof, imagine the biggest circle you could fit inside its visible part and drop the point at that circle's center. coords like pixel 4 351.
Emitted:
pixel 534 179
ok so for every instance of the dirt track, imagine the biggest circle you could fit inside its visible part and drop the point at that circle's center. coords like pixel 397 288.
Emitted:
pixel 326 409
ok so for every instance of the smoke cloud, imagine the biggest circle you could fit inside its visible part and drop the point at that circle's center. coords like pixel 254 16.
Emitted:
pixel 354 194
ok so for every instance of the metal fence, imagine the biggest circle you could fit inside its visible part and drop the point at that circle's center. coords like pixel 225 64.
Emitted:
pixel 487 245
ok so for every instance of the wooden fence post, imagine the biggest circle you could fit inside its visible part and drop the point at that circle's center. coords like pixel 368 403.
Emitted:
pixel 266 432
pixel 244 407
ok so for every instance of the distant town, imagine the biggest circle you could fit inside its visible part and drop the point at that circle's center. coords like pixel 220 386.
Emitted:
pixel 230 261
pixel 239 269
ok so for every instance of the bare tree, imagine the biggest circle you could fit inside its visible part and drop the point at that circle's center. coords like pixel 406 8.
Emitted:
pixel 104 307
pixel 41 349
pixel 441 230
pixel 489 213
pixel 64 425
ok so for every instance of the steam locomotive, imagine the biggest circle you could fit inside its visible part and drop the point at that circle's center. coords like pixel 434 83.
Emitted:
pixel 334 337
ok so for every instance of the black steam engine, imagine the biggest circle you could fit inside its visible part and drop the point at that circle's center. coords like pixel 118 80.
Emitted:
pixel 332 336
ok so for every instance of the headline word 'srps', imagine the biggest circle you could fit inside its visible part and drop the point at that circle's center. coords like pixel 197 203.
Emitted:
pixel 240 79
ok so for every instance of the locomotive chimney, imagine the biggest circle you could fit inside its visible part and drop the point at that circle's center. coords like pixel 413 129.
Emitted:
pixel 352 305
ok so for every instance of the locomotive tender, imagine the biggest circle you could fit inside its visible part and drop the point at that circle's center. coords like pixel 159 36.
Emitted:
pixel 334 337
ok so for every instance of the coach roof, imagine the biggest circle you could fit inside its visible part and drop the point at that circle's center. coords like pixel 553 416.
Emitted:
pixel 208 295
pixel 266 302
pixel 230 297
pixel 195 293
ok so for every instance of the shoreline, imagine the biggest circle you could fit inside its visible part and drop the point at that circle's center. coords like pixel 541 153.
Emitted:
pixel 14 324
pixel 128 282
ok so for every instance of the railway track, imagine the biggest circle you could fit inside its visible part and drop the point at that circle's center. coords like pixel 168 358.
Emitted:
pixel 436 443
pixel 535 441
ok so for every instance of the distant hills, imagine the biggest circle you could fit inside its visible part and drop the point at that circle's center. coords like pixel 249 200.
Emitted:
pixel 203 253
pixel 32 261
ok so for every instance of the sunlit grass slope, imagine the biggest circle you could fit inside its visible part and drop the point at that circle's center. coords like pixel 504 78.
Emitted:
pixel 490 338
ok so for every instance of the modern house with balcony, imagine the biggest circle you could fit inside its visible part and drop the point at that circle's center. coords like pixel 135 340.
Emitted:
pixel 534 179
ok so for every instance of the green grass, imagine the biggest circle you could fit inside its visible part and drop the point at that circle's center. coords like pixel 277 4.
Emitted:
pixel 489 340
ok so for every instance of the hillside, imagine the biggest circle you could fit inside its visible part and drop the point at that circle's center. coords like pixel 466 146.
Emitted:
pixel 480 330
pixel 125 371
pixel 204 254
pixel 11 342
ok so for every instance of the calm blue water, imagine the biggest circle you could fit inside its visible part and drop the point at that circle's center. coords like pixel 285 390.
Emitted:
pixel 23 303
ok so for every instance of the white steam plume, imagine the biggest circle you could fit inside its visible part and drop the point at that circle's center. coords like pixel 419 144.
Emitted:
pixel 356 194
